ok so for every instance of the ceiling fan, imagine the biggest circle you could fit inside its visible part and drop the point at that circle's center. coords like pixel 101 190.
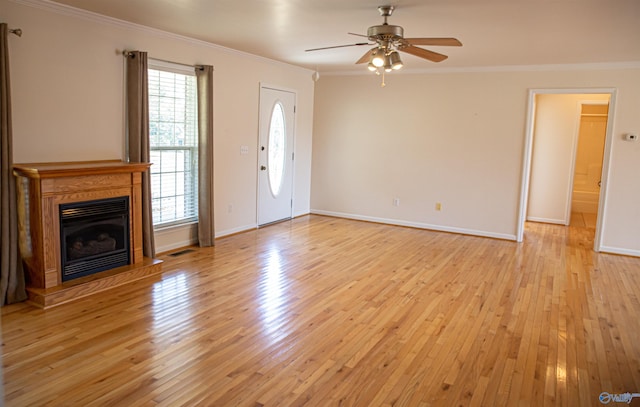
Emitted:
pixel 388 40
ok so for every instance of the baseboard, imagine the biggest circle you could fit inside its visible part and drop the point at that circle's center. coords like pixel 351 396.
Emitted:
pixel 617 250
pixel 417 225
pixel 547 220
pixel 234 231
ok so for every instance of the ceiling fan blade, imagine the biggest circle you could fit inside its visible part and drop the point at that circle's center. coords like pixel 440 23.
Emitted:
pixel 366 57
pixel 423 53
pixel 338 46
pixel 449 42
pixel 359 35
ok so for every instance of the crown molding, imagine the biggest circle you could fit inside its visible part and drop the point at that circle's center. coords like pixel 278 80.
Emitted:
pixel 600 66
pixel 102 19
pixel 536 68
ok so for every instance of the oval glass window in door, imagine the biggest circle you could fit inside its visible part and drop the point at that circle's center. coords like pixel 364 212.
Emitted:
pixel 276 149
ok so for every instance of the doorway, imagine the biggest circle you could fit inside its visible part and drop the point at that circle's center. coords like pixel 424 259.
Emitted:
pixel 275 155
pixel 588 163
pixel 549 162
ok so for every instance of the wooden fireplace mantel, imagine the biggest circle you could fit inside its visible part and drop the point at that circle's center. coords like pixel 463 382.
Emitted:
pixel 41 189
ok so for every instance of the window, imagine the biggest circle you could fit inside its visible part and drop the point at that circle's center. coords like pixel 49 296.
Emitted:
pixel 173 134
pixel 276 150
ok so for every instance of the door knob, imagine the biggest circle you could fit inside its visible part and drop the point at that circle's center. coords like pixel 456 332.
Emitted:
pixel 263 168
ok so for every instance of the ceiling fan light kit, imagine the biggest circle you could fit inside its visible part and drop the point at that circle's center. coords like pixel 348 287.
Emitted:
pixel 378 57
pixel 389 39
pixel 394 60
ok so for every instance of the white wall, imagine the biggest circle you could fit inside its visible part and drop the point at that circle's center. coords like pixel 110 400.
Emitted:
pixel 557 121
pixel 456 138
pixel 67 78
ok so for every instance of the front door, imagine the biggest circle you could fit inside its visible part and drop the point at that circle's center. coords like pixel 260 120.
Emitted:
pixel 275 155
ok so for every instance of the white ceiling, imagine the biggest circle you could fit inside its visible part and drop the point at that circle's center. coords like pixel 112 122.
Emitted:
pixel 493 32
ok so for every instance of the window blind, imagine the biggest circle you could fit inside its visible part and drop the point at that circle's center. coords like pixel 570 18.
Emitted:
pixel 173 136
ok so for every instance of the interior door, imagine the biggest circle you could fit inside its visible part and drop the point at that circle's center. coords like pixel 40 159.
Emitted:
pixel 275 155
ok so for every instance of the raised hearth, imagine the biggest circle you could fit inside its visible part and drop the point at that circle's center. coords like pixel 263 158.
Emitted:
pixel 48 191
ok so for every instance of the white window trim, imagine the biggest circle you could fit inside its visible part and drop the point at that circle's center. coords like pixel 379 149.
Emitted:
pixel 161 65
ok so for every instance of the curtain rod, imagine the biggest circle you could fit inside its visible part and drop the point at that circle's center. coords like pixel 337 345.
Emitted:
pixel 16 31
pixel 200 67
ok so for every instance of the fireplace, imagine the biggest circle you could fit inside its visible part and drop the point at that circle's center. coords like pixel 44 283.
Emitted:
pixel 80 228
pixel 94 236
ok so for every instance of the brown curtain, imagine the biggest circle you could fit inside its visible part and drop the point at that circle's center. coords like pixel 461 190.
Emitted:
pixel 206 230
pixel 138 137
pixel 11 271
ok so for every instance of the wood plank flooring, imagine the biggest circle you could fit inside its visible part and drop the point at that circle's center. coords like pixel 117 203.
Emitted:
pixel 321 311
pixel 584 219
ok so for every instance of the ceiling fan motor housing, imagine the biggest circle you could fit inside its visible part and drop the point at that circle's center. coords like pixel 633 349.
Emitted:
pixel 385 32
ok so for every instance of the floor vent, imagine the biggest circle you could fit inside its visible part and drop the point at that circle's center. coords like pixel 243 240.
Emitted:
pixel 181 252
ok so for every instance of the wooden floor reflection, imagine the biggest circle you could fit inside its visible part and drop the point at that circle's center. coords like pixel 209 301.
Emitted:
pixel 321 311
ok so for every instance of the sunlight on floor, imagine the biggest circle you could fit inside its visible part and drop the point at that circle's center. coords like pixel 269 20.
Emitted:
pixel 271 295
pixel 169 296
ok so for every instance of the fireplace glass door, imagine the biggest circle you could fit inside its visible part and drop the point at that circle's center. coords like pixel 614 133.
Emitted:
pixel 94 236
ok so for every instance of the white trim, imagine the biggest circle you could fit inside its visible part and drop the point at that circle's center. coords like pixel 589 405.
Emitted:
pixel 526 165
pixel 102 19
pixel 279 88
pixel 499 68
pixel 606 167
pixel 233 231
pixel 99 18
pixel 617 250
pixel 301 213
pixel 171 226
pixel 417 225
pixel 593 102
pixel 174 67
pixel 247 228
pixel 547 220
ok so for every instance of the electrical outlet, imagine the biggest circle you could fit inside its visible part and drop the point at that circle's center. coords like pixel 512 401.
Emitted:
pixel 396 201
pixel 438 206
pixel 244 150
pixel 230 208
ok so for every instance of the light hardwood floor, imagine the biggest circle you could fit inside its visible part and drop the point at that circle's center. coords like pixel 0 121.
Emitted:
pixel 584 219
pixel 321 311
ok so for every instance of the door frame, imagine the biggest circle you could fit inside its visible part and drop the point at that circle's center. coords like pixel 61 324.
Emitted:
pixel 528 151
pixel 263 85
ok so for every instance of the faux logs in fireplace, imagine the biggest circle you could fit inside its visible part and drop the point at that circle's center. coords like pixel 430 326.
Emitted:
pixel 94 236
